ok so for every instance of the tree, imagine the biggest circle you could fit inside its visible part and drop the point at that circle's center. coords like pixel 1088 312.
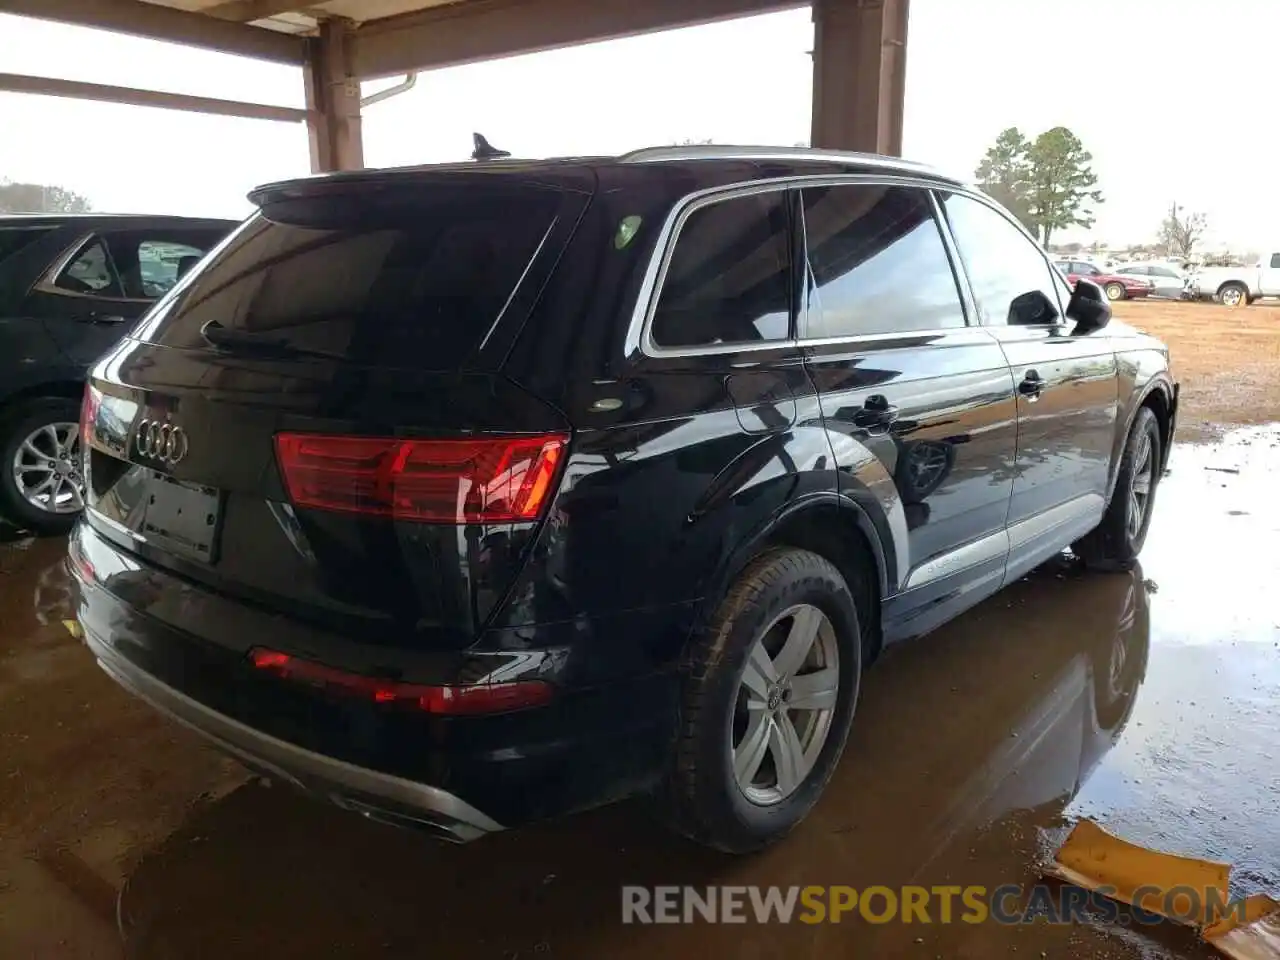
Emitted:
pixel 40 198
pixel 1062 183
pixel 1005 174
pixel 1182 230
pixel 1048 184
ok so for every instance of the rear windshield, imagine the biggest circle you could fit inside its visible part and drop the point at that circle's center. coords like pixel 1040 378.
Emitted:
pixel 415 279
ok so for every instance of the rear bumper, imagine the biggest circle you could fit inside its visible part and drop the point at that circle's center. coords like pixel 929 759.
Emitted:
pixel 184 648
pixel 377 795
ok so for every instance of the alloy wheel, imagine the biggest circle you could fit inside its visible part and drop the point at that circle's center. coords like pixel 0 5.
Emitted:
pixel 785 703
pixel 1144 464
pixel 46 469
pixel 1232 297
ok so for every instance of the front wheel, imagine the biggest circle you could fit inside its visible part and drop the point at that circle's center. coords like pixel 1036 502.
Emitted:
pixel 41 487
pixel 1115 543
pixel 768 695
pixel 1114 291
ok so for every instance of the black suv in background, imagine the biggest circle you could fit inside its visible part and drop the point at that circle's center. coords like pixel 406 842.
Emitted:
pixel 70 287
pixel 468 495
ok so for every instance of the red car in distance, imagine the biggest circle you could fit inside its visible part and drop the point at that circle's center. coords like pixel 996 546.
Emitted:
pixel 1116 285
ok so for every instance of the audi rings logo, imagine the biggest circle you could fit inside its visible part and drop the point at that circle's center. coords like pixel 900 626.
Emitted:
pixel 162 441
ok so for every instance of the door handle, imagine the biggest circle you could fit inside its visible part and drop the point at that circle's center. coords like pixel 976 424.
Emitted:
pixel 877 414
pixel 1031 385
pixel 104 319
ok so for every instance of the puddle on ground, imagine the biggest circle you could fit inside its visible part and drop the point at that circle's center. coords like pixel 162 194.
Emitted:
pixel 1147 701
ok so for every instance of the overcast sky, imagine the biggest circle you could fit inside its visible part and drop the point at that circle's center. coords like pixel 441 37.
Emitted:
pixel 1175 98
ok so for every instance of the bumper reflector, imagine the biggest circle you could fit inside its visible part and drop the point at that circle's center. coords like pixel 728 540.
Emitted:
pixel 447 699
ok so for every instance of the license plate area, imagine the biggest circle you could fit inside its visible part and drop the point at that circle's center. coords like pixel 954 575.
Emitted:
pixel 183 518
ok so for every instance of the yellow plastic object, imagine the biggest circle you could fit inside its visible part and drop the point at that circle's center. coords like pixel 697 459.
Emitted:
pixel 1094 859
pixel 74 628
pixel 1256 936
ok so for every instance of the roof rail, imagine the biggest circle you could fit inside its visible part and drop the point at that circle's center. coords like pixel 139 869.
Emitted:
pixel 796 154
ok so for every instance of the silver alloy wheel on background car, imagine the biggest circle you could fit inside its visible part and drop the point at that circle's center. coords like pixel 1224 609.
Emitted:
pixel 46 469
pixel 785 702
pixel 1144 468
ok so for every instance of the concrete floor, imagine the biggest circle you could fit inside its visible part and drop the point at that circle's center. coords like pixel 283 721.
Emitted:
pixel 1147 701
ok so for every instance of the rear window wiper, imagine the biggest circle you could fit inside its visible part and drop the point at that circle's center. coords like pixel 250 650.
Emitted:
pixel 260 344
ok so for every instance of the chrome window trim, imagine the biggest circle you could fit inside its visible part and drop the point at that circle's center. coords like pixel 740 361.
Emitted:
pixel 639 338
pixel 640 329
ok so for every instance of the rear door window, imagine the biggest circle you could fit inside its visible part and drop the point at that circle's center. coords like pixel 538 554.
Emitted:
pixel 414 279
pixel 877 262
pixel 729 278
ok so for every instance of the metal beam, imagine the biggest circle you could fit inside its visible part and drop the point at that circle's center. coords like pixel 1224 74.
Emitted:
pixel 51 87
pixel 164 23
pixel 458 33
pixel 859 74
pixel 333 99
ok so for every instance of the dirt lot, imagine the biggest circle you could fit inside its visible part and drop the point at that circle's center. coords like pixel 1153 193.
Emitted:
pixel 1228 361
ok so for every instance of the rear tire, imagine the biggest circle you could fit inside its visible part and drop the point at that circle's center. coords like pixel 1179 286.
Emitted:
pixel 35 418
pixel 1115 291
pixel 1115 543
pixel 1234 295
pixel 730 783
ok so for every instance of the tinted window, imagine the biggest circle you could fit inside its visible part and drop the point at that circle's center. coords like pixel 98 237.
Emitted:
pixel 1139 270
pixel 1158 271
pixel 90 272
pixel 878 262
pixel 1011 280
pixel 729 276
pixel 162 263
pixel 17 238
pixel 135 265
pixel 411 278
pixel 1275 261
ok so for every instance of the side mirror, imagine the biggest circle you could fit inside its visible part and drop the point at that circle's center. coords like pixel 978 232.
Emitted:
pixel 1088 307
pixel 1032 309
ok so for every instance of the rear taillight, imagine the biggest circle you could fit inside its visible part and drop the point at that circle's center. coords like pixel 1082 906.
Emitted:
pixel 89 412
pixel 487 480
pixel 450 699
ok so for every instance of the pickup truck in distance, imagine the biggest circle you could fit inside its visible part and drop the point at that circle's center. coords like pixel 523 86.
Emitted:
pixel 1239 286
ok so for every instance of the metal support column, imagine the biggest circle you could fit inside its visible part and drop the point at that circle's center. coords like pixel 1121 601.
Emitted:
pixel 859 74
pixel 333 99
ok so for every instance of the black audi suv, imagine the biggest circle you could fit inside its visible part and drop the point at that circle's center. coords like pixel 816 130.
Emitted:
pixel 70 286
pixel 469 495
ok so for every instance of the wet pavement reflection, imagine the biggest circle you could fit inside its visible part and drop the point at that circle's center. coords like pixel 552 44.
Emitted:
pixel 1146 700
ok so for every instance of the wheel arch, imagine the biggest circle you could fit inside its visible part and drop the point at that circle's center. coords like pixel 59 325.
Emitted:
pixel 62 388
pixel 837 529
pixel 1156 396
